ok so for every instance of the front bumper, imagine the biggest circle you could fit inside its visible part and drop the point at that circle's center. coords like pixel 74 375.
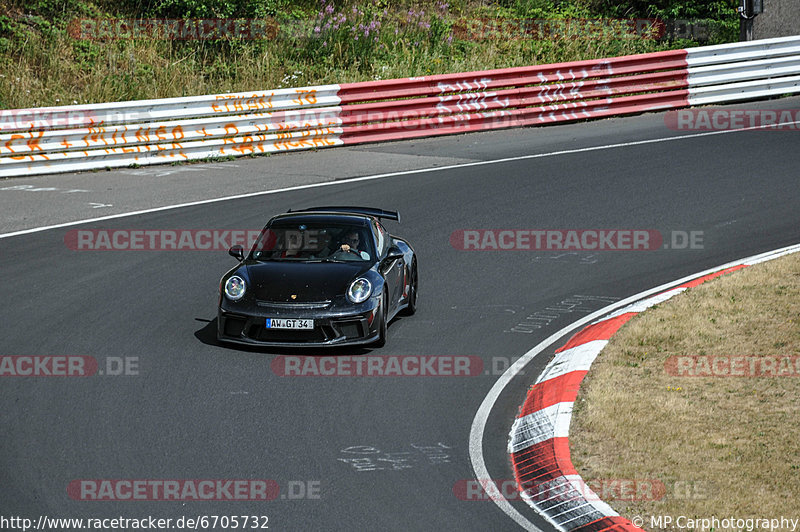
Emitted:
pixel 332 326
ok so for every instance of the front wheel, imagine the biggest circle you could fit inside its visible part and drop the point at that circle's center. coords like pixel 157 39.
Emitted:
pixel 412 292
pixel 382 325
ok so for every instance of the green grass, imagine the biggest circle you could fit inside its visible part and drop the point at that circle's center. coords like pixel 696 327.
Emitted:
pixel 43 64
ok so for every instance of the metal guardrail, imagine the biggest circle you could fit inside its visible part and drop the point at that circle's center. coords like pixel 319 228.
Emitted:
pixel 118 134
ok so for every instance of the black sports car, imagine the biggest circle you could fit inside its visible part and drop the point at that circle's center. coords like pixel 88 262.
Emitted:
pixel 318 277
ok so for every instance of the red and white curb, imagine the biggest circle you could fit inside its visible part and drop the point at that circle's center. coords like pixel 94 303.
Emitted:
pixel 539 439
pixel 538 442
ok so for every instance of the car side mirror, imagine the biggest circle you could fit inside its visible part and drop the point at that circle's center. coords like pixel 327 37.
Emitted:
pixel 394 253
pixel 237 252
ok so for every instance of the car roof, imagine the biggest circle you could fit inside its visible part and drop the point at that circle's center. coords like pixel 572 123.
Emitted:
pixel 324 217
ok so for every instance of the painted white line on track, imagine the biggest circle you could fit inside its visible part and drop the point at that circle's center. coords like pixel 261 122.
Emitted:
pixel 390 174
pixel 482 415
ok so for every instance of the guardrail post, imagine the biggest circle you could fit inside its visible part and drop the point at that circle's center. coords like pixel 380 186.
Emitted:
pixel 748 9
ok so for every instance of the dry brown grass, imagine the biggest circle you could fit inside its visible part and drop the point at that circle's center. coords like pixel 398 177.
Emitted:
pixel 721 446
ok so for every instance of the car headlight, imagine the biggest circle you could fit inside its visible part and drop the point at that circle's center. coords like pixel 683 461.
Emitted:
pixel 234 288
pixel 359 290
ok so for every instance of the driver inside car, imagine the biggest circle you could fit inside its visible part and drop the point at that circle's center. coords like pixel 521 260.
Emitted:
pixel 351 242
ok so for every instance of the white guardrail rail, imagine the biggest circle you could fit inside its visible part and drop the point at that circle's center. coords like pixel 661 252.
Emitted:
pixel 119 134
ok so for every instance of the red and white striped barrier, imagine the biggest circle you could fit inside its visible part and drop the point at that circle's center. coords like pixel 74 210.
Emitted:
pixel 73 138
pixel 539 439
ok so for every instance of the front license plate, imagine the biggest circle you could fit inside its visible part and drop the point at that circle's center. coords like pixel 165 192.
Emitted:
pixel 281 323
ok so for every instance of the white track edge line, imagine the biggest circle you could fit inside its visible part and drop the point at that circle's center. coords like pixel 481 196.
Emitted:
pixel 482 414
pixel 384 175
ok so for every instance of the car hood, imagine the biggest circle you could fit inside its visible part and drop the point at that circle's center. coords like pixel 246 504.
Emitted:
pixel 307 281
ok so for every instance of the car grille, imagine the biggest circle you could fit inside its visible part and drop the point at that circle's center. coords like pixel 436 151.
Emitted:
pixel 253 328
pixel 317 334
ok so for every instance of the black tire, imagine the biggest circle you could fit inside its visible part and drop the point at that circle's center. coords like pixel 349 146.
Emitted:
pixel 412 294
pixel 382 325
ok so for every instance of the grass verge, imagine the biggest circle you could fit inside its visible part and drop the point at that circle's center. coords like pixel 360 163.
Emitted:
pixel 721 445
pixel 46 58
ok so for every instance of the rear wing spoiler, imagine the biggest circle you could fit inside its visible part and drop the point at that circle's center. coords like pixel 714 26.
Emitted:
pixel 376 213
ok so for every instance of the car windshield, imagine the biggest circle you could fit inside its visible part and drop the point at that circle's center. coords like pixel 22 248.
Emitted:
pixel 311 242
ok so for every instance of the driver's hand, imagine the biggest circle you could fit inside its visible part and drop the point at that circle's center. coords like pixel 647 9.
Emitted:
pixel 345 247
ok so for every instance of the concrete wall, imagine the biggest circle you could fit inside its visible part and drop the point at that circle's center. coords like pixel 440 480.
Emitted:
pixel 780 18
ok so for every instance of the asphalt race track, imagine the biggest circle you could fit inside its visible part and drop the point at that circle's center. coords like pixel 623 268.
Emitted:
pixel 192 409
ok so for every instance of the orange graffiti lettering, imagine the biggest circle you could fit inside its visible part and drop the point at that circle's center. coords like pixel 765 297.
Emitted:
pixel 12 139
pixel 305 97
